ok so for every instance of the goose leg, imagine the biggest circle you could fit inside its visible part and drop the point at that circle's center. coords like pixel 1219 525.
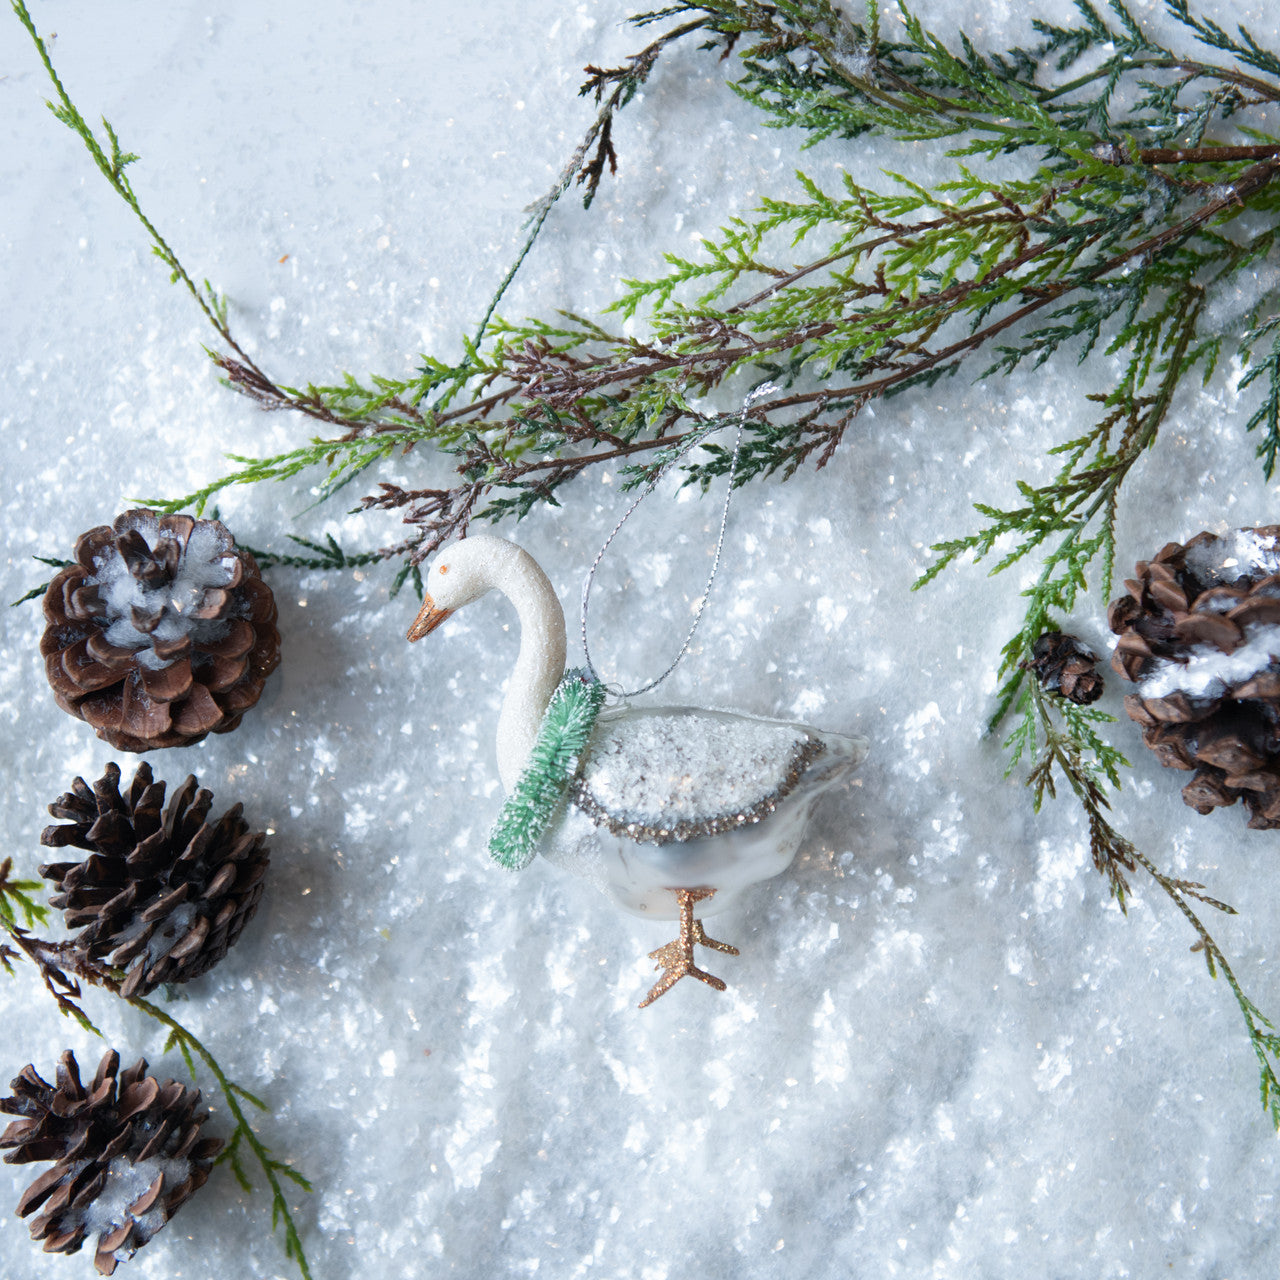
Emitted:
pixel 676 958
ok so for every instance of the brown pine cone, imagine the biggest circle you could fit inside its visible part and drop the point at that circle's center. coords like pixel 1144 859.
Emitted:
pixel 127 1155
pixel 161 632
pixel 164 895
pixel 1198 634
pixel 1063 665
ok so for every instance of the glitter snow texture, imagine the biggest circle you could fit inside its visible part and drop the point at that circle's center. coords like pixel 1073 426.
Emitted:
pixel 944 1054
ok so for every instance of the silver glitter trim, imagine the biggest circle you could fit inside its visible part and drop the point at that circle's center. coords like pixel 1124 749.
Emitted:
pixel 687 829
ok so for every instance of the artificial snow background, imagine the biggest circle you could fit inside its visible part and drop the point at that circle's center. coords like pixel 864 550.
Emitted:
pixel 944 1052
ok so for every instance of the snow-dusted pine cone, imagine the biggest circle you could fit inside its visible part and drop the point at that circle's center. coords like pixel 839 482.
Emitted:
pixel 161 632
pixel 162 895
pixel 127 1155
pixel 1200 635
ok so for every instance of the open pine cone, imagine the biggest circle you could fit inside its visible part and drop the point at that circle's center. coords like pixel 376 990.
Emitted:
pixel 163 895
pixel 1200 635
pixel 127 1155
pixel 161 632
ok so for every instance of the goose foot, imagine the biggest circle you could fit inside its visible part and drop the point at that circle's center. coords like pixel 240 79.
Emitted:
pixel 676 958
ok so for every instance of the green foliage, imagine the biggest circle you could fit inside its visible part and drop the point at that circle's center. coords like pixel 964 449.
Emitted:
pixel 1103 233
pixel 36 592
pixel 112 163
pixel 16 899
pixel 1267 414
pixel 562 738
pixel 1061 737
pixel 328 555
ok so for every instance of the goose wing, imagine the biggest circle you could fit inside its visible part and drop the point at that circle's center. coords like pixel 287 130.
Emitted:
pixel 671 774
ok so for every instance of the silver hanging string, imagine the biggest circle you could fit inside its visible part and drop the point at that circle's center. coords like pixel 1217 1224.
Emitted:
pixel 764 389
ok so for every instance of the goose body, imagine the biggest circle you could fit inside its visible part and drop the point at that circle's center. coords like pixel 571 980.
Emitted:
pixel 664 798
pixel 684 797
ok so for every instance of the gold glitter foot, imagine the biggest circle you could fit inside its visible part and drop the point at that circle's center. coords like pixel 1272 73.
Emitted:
pixel 676 958
pixel 700 937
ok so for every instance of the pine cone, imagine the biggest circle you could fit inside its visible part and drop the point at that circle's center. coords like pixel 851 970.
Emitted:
pixel 1199 635
pixel 162 632
pixel 1063 665
pixel 127 1155
pixel 166 895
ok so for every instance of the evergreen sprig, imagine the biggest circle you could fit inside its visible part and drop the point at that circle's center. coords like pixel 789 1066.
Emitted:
pixel 16 899
pixel 1061 738
pixel 273 1168
pixel 1125 217
pixel 36 592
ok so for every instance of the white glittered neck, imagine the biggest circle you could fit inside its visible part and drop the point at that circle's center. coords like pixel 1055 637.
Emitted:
pixel 481 564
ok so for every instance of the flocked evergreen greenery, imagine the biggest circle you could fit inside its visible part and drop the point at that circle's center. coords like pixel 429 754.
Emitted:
pixel 1104 187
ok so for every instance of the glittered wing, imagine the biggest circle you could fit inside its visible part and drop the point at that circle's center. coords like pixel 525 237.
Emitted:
pixel 674 774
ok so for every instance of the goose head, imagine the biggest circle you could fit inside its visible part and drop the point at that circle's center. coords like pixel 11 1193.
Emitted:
pixel 460 575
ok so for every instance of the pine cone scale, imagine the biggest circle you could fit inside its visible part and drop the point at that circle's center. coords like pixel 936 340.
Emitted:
pixel 147 1200
pixel 165 684
pixel 86 673
pixel 226 877
pixel 149 1152
pixel 65 690
pixel 1215 629
pixel 103 714
pixel 1264 687
pixel 1168 595
pixel 170 650
pixel 237 641
pixel 1256 609
pixel 66 1243
pixel 109 831
pixel 198 714
pixel 98 647
pixel 218 674
pixel 138 1096
pixel 140 716
pixel 86 1189
pixel 193 941
pixel 109 1243
pixel 40 1190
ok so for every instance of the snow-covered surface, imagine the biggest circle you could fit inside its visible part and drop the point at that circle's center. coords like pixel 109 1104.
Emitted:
pixel 944 1052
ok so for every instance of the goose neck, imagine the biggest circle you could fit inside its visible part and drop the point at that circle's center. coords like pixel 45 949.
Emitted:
pixel 538 669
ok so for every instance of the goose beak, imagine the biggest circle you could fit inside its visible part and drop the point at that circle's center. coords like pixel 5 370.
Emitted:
pixel 428 619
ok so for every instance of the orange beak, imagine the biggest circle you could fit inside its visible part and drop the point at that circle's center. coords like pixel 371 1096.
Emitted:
pixel 428 619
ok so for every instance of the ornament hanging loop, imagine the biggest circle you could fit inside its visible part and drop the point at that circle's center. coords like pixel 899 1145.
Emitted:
pixel 765 388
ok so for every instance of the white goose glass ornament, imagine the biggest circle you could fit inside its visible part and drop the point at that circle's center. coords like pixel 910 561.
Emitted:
pixel 672 811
